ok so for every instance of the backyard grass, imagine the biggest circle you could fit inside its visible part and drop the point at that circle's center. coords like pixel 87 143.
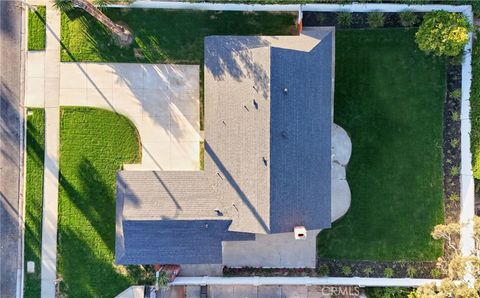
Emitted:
pixel 94 144
pixel 36 28
pixel 389 98
pixel 33 199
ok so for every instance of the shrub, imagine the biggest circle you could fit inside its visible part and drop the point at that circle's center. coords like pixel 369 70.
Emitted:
pixel 408 18
pixel 454 197
pixel 323 270
pixel 389 292
pixel 436 273
pixel 368 271
pixel 344 19
pixel 455 116
pixel 376 19
pixel 320 18
pixel 456 94
pixel 443 33
pixel 411 271
pixel 346 270
pixel 455 171
pixel 454 143
pixel 388 272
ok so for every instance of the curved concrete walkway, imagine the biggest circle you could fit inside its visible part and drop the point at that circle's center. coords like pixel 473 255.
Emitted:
pixel 341 152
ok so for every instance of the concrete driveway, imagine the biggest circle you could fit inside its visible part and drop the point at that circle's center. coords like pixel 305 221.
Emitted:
pixel 162 101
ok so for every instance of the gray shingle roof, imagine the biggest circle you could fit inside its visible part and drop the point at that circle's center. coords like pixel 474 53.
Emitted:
pixel 300 137
pixel 267 154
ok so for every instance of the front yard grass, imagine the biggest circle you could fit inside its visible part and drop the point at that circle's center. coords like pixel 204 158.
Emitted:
pixel 94 144
pixel 389 98
pixel 36 28
pixel 162 36
pixel 34 199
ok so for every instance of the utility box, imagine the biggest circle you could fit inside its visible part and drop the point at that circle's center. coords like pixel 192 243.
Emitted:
pixel 31 267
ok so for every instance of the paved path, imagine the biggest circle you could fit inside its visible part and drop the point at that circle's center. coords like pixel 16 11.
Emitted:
pixel 52 129
pixel 11 127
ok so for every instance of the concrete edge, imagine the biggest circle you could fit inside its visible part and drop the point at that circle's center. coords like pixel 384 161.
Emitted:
pixel 355 7
pixel 306 281
pixel 467 183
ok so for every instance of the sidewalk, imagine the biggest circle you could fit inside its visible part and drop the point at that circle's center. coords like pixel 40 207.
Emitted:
pixel 50 96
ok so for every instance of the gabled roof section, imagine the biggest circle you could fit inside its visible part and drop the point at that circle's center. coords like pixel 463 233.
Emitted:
pixel 300 136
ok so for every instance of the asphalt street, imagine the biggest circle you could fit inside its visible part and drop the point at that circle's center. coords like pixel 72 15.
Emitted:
pixel 11 125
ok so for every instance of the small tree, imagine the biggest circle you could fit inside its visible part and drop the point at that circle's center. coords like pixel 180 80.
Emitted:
pixel 447 233
pixel 443 33
pixel 457 283
pixel 122 34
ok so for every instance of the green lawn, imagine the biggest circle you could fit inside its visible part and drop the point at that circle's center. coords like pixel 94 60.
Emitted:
pixel 36 28
pixel 171 36
pixel 94 144
pixel 33 199
pixel 389 98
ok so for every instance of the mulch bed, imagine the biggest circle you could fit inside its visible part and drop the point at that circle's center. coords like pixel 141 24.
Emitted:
pixel 451 181
pixel 359 20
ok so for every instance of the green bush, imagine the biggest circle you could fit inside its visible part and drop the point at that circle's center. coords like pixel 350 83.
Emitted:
pixel 368 271
pixel 455 171
pixel 346 270
pixel 454 143
pixel 408 18
pixel 455 116
pixel 388 272
pixel 436 273
pixel 457 93
pixel 376 19
pixel 411 271
pixel 387 292
pixel 454 197
pixel 443 33
pixel 344 19
pixel 323 270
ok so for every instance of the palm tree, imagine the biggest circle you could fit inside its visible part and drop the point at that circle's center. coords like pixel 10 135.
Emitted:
pixel 122 34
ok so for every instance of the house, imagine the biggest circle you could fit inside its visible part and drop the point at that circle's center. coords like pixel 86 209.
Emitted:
pixel 269 164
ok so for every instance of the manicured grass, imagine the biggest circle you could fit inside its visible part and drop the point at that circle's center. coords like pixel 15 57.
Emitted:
pixel 162 36
pixel 389 98
pixel 33 199
pixel 36 28
pixel 94 144
pixel 475 109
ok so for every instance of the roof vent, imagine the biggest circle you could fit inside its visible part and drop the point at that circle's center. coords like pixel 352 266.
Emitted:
pixel 264 160
pixel 284 134
pixel 285 90
pixel 219 213
pixel 255 103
